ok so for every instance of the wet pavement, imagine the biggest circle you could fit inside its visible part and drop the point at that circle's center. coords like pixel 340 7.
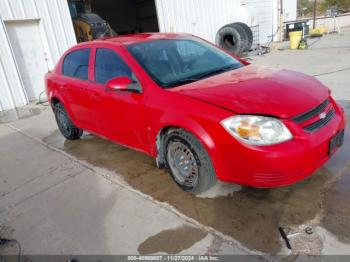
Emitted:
pixel 172 241
pixel 337 208
pixel 251 216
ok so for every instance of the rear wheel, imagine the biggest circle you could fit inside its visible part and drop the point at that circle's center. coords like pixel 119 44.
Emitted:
pixel 65 124
pixel 188 161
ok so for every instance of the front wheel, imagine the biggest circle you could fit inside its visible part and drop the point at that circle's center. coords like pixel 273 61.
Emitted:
pixel 65 124
pixel 189 162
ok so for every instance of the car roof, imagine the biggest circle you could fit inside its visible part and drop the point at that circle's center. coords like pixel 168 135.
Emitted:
pixel 136 38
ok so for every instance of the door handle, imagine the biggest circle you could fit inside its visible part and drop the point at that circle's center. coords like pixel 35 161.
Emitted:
pixel 95 94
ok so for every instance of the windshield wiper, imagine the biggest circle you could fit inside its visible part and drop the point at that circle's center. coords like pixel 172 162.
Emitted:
pixel 216 71
pixel 181 82
pixel 200 76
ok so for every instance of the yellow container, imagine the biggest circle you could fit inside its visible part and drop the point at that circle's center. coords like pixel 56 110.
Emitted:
pixel 319 31
pixel 294 38
pixel 323 29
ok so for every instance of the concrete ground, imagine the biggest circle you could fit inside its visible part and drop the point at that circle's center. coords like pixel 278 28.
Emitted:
pixel 94 197
pixel 54 203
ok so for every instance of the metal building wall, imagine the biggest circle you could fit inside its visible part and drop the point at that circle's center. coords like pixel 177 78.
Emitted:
pixel 56 32
pixel 205 17
pixel 199 17
pixel 9 97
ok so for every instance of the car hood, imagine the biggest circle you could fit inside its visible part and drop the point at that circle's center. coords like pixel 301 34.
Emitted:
pixel 259 90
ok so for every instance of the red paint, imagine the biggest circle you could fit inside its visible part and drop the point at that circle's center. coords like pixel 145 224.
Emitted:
pixel 135 119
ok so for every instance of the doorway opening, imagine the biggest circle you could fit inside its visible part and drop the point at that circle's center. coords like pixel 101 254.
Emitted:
pixel 94 19
pixel 128 16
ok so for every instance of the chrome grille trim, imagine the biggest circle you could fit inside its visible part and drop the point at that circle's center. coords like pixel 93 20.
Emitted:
pixel 312 113
pixel 320 123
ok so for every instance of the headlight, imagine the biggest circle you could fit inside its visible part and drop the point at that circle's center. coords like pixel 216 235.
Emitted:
pixel 257 130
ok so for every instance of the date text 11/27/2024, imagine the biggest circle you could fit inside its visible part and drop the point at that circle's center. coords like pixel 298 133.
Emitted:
pixel 173 258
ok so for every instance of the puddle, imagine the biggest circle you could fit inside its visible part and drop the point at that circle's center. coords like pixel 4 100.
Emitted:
pixel 220 189
pixel 9 248
pixel 337 209
pixel 19 113
pixel 172 241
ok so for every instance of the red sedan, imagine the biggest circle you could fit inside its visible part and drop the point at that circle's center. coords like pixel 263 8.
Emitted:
pixel 198 110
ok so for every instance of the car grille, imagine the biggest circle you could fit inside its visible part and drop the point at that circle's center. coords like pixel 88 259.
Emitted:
pixel 312 113
pixel 326 107
pixel 322 122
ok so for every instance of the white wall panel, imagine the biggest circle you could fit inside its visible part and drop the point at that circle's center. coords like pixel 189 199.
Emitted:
pixel 6 101
pixel 10 82
pixel 290 10
pixel 57 35
pixel 5 8
pixel 48 24
pixel 262 13
pixel 57 26
pixel 66 21
pixel 17 9
pixel 29 8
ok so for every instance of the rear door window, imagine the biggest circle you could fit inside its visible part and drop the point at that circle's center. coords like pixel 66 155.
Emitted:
pixel 108 65
pixel 76 64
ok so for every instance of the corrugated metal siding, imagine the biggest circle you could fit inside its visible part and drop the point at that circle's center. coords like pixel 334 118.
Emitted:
pixel 199 17
pixel 57 34
pixel 11 92
pixel 6 100
pixel 55 18
pixel 205 17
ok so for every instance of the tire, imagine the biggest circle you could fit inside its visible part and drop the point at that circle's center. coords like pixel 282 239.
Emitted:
pixel 244 36
pixel 248 33
pixel 65 124
pixel 197 155
pixel 230 39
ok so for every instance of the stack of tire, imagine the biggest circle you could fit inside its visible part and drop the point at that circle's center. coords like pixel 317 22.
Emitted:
pixel 236 38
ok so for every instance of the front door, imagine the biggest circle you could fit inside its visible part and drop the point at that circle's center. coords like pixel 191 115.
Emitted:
pixel 119 114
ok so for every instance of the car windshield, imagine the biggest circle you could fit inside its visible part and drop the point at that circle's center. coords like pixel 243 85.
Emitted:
pixel 174 62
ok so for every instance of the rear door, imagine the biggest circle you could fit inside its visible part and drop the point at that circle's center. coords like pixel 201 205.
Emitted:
pixel 75 71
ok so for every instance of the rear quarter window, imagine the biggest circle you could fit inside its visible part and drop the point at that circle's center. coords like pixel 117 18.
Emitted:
pixel 76 64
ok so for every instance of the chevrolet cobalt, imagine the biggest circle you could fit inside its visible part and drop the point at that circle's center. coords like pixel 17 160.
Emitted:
pixel 199 111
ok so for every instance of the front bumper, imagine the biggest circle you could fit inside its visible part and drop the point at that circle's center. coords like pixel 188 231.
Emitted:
pixel 278 165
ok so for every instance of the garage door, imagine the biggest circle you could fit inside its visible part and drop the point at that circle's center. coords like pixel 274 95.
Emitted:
pixel 28 50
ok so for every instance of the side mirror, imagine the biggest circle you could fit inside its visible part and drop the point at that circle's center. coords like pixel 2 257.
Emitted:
pixel 123 83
